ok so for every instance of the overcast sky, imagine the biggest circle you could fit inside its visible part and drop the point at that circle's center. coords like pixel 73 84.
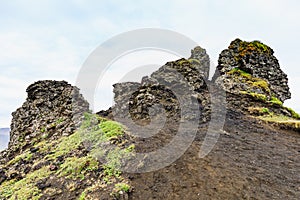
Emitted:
pixel 51 39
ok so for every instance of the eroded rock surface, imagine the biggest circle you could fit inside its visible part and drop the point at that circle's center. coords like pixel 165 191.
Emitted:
pixel 175 83
pixel 259 67
pixel 52 109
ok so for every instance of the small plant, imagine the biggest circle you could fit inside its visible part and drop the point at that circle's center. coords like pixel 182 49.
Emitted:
pixel 130 148
pixel 59 121
pixel 82 196
pixel 265 111
pixel 43 129
pixel 122 187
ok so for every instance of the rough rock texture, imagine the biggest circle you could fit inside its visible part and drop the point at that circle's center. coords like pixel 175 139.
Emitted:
pixel 52 109
pixel 199 54
pixel 173 84
pixel 252 159
pixel 257 60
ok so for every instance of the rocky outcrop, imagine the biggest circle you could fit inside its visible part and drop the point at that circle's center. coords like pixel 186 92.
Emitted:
pixel 248 72
pixel 51 110
pixel 48 159
pixel 168 87
pixel 252 67
pixel 201 61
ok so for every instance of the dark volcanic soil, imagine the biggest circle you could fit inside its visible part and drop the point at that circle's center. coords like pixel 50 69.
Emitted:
pixel 251 160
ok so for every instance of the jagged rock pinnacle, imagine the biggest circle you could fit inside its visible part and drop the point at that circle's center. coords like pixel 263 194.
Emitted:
pixel 203 65
pixel 251 67
pixel 52 109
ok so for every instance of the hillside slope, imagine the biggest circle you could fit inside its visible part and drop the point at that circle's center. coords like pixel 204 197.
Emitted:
pixel 58 149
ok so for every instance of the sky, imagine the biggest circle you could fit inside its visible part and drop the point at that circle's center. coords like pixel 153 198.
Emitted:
pixel 51 39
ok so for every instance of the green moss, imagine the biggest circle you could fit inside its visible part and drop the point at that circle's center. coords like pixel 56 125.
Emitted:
pixel 275 101
pixel 247 78
pixel 293 113
pixel 183 61
pixel 74 167
pixel 239 72
pixel 82 196
pixel 261 84
pixel 65 145
pixel 193 60
pixel 59 121
pixel 25 188
pixel 264 111
pixel 122 187
pixel 257 96
pixel 111 129
pixel 281 121
pixel 43 129
pixel 97 132
pixel 275 118
pixel 113 164
pixel 130 148
pixel 24 156
pixel 248 47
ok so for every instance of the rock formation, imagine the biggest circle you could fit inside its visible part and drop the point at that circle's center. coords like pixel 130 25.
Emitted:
pixel 51 110
pixel 251 67
pixel 255 157
pixel 174 80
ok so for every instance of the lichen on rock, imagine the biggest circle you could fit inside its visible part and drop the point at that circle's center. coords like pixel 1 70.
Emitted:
pixel 257 60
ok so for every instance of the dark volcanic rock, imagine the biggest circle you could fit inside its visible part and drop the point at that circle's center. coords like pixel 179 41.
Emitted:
pixel 200 59
pixel 247 158
pixel 169 86
pixel 52 109
pixel 256 59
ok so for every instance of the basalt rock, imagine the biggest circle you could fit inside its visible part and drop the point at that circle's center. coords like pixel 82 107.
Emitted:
pixel 201 61
pixel 175 83
pixel 52 109
pixel 252 67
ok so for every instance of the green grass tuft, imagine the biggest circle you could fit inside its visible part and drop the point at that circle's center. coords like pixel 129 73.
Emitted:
pixel 122 187
pixel 26 187
pixel 74 167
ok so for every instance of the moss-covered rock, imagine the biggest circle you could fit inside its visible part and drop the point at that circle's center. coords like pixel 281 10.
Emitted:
pixel 40 170
pixel 257 60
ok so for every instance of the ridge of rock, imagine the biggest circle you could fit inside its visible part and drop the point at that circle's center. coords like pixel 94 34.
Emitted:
pixel 51 110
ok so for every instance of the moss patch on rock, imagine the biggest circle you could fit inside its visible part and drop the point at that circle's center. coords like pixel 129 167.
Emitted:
pixel 253 83
pixel 249 47
pixel 25 188
pixel 281 121
pixel 71 159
